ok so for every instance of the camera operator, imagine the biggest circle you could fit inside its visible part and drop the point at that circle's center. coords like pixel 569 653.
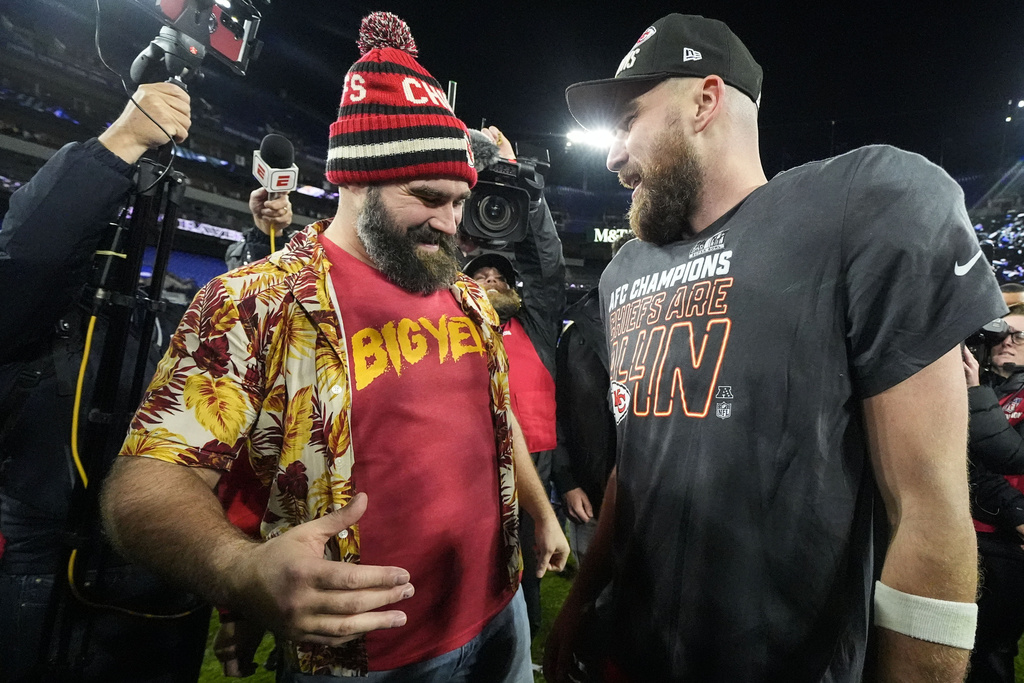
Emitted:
pixel 531 322
pixel 996 449
pixel 54 226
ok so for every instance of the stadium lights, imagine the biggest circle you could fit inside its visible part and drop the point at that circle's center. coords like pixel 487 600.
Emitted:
pixel 594 138
pixel 1020 104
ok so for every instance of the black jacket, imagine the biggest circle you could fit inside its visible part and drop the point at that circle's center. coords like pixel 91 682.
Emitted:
pixel 996 448
pixel 586 427
pixel 48 239
pixel 541 266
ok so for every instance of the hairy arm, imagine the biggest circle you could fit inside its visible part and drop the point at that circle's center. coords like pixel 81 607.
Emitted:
pixel 166 517
pixel 552 547
pixel 196 541
pixel 917 435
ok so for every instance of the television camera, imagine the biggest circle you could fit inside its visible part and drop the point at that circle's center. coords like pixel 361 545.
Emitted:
pixel 225 28
pixel 498 211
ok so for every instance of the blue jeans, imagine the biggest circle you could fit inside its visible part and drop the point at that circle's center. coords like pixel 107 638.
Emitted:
pixel 500 653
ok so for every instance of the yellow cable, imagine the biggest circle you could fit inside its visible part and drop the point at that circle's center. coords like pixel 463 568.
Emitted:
pixel 272 231
pixel 78 403
pixel 85 483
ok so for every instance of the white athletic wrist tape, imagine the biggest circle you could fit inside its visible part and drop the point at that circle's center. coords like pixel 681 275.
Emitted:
pixel 937 621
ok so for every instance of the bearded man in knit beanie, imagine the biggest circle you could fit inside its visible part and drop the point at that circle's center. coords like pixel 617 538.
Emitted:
pixel 363 381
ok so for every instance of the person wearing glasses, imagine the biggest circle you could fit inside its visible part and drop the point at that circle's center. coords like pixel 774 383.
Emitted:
pixel 996 445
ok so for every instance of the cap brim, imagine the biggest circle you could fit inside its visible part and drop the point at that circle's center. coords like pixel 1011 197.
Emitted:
pixel 492 260
pixel 597 104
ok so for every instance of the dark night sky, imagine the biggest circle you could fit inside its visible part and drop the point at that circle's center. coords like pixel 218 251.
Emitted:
pixel 924 76
pixel 936 81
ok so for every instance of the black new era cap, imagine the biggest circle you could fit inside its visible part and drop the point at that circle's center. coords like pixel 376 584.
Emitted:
pixel 676 45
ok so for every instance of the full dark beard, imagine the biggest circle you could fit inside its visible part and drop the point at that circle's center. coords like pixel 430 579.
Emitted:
pixel 506 304
pixel 395 252
pixel 661 210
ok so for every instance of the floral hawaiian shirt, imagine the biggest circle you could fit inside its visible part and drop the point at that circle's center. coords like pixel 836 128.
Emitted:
pixel 258 368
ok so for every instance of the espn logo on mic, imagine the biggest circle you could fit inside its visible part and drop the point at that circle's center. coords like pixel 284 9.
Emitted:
pixel 274 179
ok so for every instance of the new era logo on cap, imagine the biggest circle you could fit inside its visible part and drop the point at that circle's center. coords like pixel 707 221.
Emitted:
pixel 691 55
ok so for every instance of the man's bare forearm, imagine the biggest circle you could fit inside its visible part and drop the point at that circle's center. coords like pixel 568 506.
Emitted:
pixel 167 518
pixel 935 559
pixel 918 451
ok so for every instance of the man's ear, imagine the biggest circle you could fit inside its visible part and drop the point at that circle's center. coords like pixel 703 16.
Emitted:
pixel 709 95
pixel 356 190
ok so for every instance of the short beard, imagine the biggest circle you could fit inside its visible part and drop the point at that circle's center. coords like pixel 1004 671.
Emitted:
pixel 506 304
pixel 395 252
pixel 661 211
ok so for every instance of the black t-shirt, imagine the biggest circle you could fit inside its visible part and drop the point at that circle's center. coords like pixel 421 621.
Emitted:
pixel 739 361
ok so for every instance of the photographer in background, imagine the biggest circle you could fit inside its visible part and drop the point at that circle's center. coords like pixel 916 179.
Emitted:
pixel 267 213
pixel 531 321
pixel 55 224
pixel 997 502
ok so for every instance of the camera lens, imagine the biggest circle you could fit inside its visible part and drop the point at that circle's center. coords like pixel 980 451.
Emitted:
pixel 495 213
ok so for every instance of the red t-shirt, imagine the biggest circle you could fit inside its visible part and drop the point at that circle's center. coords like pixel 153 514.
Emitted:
pixel 425 455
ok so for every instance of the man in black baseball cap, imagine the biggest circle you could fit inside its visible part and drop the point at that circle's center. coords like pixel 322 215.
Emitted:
pixel 774 377
pixel 674 46
pixel 497 276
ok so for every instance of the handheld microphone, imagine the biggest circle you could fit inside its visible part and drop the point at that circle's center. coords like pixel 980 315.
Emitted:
pixel 273 165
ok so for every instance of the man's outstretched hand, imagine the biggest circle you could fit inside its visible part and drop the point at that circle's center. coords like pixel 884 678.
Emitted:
pixel 287 584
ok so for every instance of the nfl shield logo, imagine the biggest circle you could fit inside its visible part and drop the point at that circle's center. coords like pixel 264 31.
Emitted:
pixel 723 410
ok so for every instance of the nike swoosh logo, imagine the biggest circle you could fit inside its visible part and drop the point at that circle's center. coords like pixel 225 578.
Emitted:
pixel 960 271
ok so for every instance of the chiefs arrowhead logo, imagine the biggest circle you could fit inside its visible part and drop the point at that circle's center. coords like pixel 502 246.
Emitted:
pixel 620 399
pixel 646 34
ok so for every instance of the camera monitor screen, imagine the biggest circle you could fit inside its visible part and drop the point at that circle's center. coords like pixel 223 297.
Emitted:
pixel 228 29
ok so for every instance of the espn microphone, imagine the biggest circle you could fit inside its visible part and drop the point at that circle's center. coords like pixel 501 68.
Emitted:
pixel 273 165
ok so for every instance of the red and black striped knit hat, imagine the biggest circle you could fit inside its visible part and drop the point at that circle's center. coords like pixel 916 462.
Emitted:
pixel 394 122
